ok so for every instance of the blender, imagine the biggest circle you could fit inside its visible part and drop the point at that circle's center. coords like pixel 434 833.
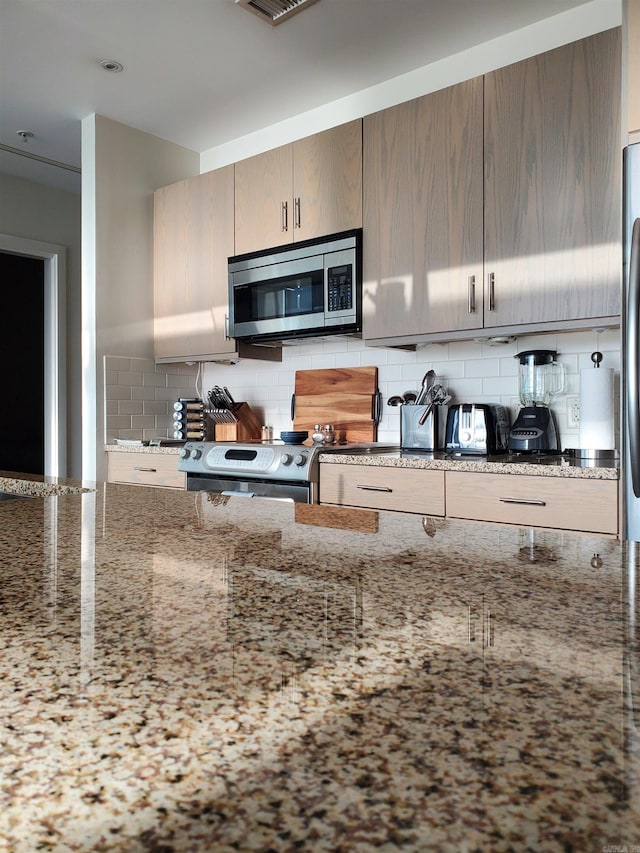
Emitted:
pixel 540 379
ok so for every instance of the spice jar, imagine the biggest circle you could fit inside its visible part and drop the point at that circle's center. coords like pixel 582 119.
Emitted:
pixel 318 435
pixel 328 434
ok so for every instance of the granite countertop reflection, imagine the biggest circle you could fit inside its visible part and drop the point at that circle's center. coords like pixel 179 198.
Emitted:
pixel 184 672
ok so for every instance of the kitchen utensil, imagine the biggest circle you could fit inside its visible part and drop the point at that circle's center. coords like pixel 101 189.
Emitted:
pixel 395 400
pixel 427 382
pixel 409 397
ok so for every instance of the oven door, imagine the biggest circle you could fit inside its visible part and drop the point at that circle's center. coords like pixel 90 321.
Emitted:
pixel 251 488
pixel 283 298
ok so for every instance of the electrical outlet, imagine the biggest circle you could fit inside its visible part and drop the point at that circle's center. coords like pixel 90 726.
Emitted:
pixel 573 411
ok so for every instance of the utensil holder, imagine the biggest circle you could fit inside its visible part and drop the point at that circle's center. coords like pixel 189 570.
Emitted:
pixel 416 436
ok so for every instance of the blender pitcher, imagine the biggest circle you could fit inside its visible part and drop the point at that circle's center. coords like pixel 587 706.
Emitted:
pixel 540 378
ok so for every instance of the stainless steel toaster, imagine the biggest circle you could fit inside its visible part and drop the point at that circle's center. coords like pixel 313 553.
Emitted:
pixel 477 428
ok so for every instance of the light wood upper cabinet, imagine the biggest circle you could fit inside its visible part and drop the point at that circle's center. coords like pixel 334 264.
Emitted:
pixel 544 176
pixel 633 66
pixel 422 264
pixel 552 186
pixel 193 238
pixel 306 189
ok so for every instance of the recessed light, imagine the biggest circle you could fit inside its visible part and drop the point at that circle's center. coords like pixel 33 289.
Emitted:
pixel 25 135
pixel 111 65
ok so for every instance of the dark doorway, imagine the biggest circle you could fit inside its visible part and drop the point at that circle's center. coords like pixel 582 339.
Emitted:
pixel 22 363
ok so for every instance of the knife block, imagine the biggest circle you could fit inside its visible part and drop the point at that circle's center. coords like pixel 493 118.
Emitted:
pixel 246 428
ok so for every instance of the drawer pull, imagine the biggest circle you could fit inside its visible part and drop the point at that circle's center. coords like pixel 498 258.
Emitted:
pixel 524 501
pixel 147 470
pixel 375 488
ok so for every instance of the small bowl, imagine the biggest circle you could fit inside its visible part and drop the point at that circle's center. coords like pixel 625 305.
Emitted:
pixel 294 436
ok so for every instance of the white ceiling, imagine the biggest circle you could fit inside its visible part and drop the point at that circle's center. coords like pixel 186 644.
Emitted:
pixel 203 72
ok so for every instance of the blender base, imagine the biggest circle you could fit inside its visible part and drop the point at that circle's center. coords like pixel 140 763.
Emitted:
pixel 534 430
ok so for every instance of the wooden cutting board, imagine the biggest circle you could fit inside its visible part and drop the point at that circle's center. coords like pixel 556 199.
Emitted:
pixel 343 396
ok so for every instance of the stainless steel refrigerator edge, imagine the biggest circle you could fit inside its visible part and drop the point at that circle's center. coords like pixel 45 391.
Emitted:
pixel 630 396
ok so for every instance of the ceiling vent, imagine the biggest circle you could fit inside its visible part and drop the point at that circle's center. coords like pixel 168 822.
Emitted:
pixel 275 11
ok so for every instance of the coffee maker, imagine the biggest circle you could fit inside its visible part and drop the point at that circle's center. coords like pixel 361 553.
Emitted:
pixel 540 379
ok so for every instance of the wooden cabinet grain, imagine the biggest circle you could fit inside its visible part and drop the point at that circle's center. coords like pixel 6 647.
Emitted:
pixel 633 67
pixel 552 186
pixel 193 237
pixel 557 502
pixel 531 150
pixel 308 188
pixel 145 469
pixel 422 213
pixel 376 487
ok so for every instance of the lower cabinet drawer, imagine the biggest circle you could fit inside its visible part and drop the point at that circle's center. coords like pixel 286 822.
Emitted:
pixel 145 469
pixel 565 503
pixel 375 487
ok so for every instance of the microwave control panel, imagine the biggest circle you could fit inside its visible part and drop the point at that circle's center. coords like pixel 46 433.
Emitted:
pixel 340 288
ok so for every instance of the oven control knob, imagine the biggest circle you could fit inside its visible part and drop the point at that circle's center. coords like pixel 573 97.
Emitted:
pixel 300 460
pixel 197 453
pixel 286 459
pixel 185 453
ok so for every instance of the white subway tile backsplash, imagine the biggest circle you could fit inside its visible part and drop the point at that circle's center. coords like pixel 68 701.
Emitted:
pixel 139 396
pixel 472 372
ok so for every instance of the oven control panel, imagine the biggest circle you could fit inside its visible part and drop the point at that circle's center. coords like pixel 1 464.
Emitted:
pixel 263 461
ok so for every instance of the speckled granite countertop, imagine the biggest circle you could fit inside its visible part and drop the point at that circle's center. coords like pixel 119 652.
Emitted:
pixel 546 466
pixel 40 486
pixel 142 448
pixel 180 673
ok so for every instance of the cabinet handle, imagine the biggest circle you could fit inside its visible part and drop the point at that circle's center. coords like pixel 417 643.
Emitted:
pixel 524 501
pixel 374 488
pixel 226 328
pixel 472 294
pixel 472 628
pixel 146 470
pixel 492 291
pixel 296 207
pixel 284 216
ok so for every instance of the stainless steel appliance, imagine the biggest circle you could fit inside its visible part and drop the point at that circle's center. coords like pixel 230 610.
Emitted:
pixel 260 469
pixel 477 428
pixel 540 378
pixel 307 289
pixel 630 397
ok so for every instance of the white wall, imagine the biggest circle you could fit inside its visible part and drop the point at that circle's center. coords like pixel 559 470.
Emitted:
pixel 585 20
pixel 44 214
pixel 121 168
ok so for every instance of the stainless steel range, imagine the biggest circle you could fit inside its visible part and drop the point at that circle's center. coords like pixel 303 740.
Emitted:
pixel 258 469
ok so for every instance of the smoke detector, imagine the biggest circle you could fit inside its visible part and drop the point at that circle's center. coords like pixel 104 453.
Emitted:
pixel 274 11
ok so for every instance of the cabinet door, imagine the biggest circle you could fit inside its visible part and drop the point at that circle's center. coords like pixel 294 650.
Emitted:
pixel 560 502
pixel 423 214
pixel 264 200
pixel 376 487
pixel 552 185
pixel 193 237
pixel 327 182
pixel 145 469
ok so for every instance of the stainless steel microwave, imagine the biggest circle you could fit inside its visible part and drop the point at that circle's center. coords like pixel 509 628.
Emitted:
pixel 307 289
